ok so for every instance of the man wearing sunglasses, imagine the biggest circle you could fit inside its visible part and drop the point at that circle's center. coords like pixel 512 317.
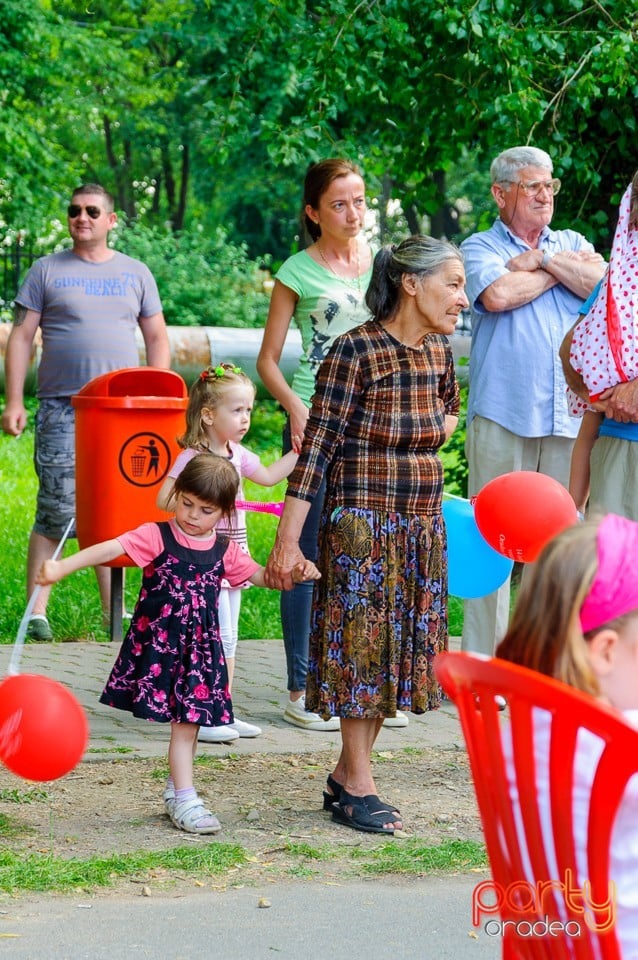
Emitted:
pixel 525 284
pixel 87 301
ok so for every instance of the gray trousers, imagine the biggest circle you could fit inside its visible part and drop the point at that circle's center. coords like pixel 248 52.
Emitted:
pixel 491 451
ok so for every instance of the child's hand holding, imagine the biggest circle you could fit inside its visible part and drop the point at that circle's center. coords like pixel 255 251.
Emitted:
pixel 50 572
pixel 305 571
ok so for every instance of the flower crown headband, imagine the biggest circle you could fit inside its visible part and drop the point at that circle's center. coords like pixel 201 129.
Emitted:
pixel 219 372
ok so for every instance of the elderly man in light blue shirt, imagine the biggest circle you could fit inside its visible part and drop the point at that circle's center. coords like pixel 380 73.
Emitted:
pixel 525 283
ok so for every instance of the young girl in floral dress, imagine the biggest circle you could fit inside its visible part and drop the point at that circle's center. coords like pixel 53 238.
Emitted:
pixel 171 665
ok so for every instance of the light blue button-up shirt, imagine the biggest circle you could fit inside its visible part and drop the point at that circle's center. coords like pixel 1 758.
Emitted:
pixel 516 376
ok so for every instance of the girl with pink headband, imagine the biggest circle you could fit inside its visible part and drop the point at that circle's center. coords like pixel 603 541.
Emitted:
pixel 576 620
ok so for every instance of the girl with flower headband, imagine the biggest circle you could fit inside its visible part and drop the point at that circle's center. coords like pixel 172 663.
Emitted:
pixel 217 419
pixel 576 620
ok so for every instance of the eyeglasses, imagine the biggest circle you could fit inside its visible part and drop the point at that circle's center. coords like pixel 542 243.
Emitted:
pixel 74 210
pixel 533 187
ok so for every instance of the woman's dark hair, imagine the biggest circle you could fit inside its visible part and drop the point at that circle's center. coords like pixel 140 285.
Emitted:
pixel 210 478
pixel 418 255
pixel 318 178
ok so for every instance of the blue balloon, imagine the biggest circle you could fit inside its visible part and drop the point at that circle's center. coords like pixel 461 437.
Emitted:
pixel 474 567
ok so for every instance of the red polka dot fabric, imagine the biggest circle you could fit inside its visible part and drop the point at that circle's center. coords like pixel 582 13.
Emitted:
pixel 604 345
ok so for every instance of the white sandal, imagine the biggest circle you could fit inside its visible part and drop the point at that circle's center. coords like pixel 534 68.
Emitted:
pixel 188 815
pixel 168 797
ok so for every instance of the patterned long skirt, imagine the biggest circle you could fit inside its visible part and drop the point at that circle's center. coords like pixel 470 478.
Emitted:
pixel 379 614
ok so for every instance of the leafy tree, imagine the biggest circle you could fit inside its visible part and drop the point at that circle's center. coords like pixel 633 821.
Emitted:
pixel 207 113
pixel 32 162
pixel 411 86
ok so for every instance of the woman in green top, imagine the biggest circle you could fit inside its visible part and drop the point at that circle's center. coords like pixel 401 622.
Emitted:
pixel 322 289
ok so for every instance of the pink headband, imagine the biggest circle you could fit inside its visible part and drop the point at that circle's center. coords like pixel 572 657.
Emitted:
pixel 614 589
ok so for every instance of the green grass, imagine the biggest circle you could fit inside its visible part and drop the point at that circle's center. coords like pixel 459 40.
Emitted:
pixel 74 607
pixel 39 872
pixel 44 872
pixel 414 857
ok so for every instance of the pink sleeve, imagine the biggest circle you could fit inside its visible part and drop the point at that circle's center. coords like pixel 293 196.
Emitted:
pixel 142 544
pixel 238 566
pixel 183 458
pixel 248 461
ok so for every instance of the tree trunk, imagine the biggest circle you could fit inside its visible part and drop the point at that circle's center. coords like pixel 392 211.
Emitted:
pixel 180 213
pixel 413 219
pixel 169 179
pixel 445 220
pixel 157 193
pixel 123 196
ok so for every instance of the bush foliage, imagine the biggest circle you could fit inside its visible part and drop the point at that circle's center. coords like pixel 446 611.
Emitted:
pixel 204 280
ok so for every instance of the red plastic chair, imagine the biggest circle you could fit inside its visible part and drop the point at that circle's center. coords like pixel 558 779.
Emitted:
pixel 513 834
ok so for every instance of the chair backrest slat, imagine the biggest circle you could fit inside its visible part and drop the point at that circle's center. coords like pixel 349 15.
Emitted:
pixel 547 828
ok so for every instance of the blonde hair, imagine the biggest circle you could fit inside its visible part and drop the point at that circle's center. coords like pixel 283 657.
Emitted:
pixel 545 632
pixel 207 392
pixel 210 478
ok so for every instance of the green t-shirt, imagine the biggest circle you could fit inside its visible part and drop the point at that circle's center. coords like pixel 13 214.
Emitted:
pixel 327 307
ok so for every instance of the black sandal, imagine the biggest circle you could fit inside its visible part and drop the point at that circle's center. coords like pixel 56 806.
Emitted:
pixel 366 813
pixel 334 796
pixel 375 805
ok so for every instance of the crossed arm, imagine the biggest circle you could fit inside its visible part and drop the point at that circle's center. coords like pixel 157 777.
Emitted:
pixel 578 270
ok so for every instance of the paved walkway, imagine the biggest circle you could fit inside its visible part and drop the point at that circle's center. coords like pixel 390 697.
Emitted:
pixel 259 697
pixel 422 918
pixel 414 918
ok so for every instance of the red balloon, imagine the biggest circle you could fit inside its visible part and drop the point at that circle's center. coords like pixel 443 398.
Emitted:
pixel 518 513
pixel 43 728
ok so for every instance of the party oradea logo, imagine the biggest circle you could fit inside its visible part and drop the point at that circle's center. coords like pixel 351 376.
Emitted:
pixel 530 911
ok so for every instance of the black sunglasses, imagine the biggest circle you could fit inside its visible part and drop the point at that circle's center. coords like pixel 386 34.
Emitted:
pixel 74 210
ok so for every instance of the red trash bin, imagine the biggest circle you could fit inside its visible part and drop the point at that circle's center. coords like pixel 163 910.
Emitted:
pixel 126 424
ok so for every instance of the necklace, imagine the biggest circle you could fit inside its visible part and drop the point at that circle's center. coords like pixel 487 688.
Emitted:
pixel 353 281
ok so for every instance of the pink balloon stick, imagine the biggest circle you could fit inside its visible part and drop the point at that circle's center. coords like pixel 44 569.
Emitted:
pixel 258 507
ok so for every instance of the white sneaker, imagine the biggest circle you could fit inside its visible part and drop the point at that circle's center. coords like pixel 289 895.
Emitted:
pixel 244 729
pixel 400 720
pixel 296 714
pixel 223 734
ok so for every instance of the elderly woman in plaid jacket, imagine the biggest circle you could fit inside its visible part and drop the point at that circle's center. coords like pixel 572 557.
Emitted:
pixel 386 400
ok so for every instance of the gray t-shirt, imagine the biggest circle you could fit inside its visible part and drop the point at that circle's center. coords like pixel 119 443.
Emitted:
pixel 88 316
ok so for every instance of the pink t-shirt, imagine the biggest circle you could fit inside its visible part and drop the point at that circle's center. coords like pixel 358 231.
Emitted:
pixel 145 543
pixel 245 463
